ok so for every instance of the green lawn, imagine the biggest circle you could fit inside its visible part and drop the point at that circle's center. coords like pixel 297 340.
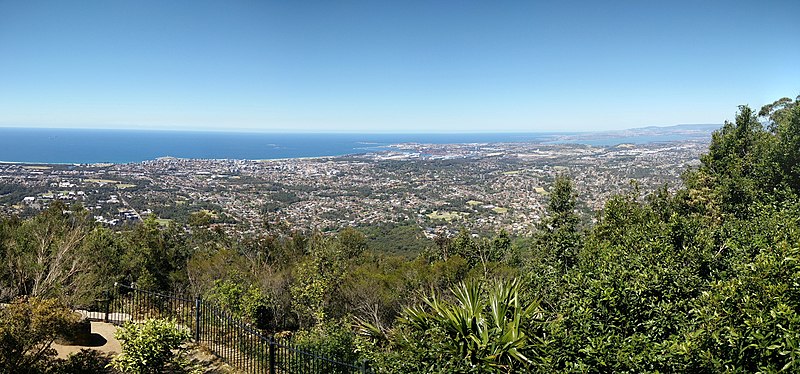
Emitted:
pixel 447 216
pixel 500 210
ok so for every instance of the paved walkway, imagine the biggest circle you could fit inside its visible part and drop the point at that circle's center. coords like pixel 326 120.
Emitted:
pixel 102 340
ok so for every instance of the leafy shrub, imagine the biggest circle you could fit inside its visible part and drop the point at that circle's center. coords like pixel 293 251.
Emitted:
pixel 248 302
pixel 28 327
pixel 85 361
pixel 333 339
pixel 152 346
pixel 481 331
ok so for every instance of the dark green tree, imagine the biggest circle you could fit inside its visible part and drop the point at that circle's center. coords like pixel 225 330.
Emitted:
pixel 156 257
pixel 738 169
pixel 783 121
pixel 559 233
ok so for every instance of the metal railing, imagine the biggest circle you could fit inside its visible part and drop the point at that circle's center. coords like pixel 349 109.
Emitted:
pixel 235 342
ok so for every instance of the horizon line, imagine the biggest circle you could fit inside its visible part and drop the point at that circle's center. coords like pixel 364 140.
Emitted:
pixel 283 131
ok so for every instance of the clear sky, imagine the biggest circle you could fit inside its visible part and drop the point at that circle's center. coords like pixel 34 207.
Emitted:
pixel 392 66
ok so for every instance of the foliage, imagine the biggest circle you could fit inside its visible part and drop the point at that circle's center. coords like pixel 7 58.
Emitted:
pixel 478 332
pixel 152 346
pixel 559 234
pixel 630 289
pixel 249 303
pixel 45 256
pixel 749 321
pixel 332 339
pixel 401 239
pixel 85 361
pixel 155 257
pixel 748 164
pixel 319 276
pixel 28 327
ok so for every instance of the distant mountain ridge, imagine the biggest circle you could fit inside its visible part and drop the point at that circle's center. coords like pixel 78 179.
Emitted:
pixel 683 127
pixel 649 134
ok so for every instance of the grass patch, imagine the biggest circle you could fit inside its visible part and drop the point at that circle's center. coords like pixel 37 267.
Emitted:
pixel 512 172
pixel 474 203
pixel 500 210
pixel 447 216
pixel 163 221
pixel 210 213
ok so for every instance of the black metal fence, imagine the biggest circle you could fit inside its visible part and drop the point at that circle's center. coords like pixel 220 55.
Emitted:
pixel 234 341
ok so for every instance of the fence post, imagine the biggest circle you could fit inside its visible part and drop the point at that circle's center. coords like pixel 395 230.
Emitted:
pixel 198 302
pixel 107 302
pixel 365 367
pixel 272 355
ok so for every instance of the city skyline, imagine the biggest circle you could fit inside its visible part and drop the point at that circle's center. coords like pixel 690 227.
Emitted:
pixel 393 68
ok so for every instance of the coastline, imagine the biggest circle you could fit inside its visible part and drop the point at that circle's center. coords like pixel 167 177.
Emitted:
pixel 87 147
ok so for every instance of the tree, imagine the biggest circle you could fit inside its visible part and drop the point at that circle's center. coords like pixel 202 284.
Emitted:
pixel 156 257
pixel 738 166
pixel 778 112
pixel 783 121
pixel 44 256
pixel 559 232
pixel 105 249
pixel 8 288
pixel 247 302
pixel 318 277
pixel 631 289
pixel 749 319
pixel 352 242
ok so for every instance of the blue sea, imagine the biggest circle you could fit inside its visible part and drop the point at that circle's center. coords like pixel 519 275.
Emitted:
pixel 83 146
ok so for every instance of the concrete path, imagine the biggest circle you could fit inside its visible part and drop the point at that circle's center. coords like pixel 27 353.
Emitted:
pixel 102 340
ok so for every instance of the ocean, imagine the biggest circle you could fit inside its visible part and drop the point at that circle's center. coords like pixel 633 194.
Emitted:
pixel 84 146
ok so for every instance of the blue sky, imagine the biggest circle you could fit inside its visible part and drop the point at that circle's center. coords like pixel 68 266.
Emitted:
pixel 403 66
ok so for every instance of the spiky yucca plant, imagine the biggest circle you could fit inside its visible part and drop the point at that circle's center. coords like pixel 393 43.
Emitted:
pixel 484 329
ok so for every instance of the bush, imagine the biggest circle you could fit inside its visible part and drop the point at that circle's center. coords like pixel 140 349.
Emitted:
pixel 28 326
pixel 152 346
pixel 86 361
pixel 480 331
pixel 332 339
pixel 250 303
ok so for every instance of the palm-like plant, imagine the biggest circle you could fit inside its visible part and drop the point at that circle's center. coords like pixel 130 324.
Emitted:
pixel 485 329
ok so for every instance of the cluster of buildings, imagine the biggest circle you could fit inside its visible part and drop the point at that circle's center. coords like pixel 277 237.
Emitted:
pixel 442 188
